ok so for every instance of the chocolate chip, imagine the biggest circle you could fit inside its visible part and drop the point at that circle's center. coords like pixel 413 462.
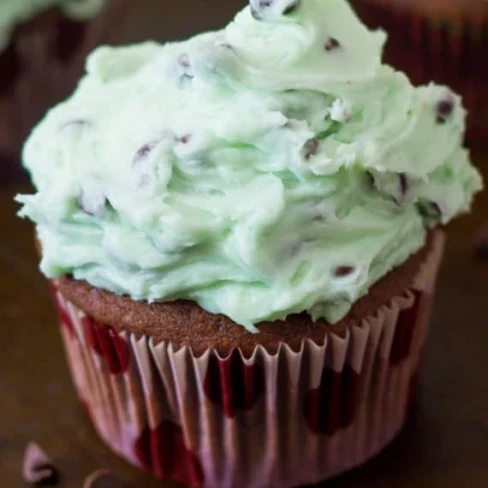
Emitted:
pixel 310 148
pixel 342 271
pixel 481 243
pixel 38 468
pixel 332 44
pixel 184 61
pixel 444 110
pixel 226 45
pixel 144 151
pixel 185 139
pixel 103 478
pixel 403 184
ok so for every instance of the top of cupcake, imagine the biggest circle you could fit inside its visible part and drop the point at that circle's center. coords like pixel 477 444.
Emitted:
pixel 274 167
pixel 14 12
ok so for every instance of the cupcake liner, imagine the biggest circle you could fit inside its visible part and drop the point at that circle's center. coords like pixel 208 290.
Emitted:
pixel 42 65
pixel 274 420
pixel 448 51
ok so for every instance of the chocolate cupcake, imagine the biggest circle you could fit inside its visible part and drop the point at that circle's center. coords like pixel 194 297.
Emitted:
pixel 43 46
pixel 443 40
pixel 242 235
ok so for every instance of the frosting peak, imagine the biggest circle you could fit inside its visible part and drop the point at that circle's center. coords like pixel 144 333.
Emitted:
pixel 292 45
pixel 269 168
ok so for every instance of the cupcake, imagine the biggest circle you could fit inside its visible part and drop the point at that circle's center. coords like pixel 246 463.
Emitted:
pixel 242 233
pixel 444 40
pixel 43 45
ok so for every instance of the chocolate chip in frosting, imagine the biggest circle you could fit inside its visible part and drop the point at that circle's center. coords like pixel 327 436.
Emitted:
pixel 185 139
pixel 142 153
pixel 184 60
pixel 343 271
pixel 186 72
pixel 404 186
pixel 332 44
pixel 444 110
pixel 310 148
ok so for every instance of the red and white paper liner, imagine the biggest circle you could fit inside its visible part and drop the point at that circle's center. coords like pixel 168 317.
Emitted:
pixel 274 420
pixel 449 52
pixel 41 66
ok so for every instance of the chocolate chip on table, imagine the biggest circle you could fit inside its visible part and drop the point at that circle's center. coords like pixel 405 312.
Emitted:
pixel 444 110
pixel 332 44
pixel 103 478
pixel 310 148
pixel 38 468
pixel 343 271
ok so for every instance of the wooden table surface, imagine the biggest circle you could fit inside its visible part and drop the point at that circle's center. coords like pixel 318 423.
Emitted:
pixel 444 445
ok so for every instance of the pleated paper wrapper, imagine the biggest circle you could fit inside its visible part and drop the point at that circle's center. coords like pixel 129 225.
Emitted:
pixel 269 420
pixel 42 65
pixel 450 52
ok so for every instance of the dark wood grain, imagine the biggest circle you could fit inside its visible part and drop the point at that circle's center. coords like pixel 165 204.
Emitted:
pixel 444 445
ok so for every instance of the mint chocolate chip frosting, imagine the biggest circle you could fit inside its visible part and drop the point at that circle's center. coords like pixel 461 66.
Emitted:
pixel 14 12
pixel 270 168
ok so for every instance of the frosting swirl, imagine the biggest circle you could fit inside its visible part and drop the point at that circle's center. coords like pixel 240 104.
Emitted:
pixel 270 168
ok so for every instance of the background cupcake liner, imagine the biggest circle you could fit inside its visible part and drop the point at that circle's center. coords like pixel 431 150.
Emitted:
pixel 42 65
pixel 270 420
pixel 451 52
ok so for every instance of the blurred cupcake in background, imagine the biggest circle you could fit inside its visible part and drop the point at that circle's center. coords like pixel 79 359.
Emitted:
pixel 43 46
pixel 441 40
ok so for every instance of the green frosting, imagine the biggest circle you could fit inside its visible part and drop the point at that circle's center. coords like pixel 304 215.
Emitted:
pixel 14 12
pixel 270 168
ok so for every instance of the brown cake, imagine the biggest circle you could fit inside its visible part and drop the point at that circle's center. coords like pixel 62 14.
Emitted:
pixel 168 322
